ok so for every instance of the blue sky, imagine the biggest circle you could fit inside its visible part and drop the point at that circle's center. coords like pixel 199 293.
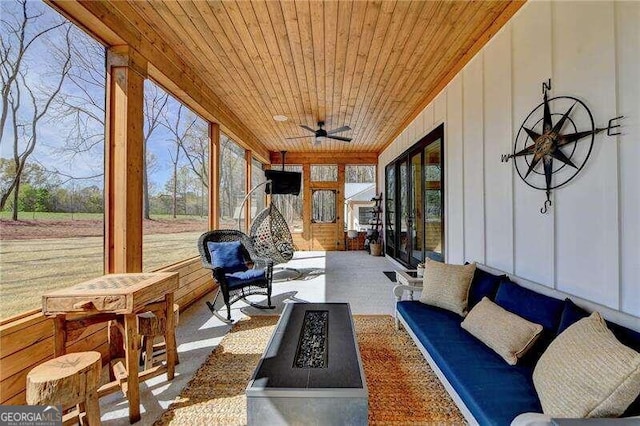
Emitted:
pixel 42 73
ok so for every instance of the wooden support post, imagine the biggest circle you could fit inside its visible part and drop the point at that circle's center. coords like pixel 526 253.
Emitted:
pixel 340 208
pixel 133 381
pixel 214 175
pixel 306 206
pixel 170 336
pixel 126 71
pixel 248 156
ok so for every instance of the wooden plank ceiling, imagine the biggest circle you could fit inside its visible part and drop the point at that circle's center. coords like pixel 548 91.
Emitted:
pixel 367 64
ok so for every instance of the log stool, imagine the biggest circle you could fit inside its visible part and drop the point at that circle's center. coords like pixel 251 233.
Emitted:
pixel 151 326
pixel 68 380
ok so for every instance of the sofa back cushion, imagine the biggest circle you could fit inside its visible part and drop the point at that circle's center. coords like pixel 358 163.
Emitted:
pixel 530 305
pixel 227 255
pixel 483 284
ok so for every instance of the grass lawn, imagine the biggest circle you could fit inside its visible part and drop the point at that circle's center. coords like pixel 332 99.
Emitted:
pixel 29 268
pixel 85 216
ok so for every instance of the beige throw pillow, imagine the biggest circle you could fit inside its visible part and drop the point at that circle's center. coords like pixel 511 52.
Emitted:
pixel 447 286
pixel 587 372
pixel 509 335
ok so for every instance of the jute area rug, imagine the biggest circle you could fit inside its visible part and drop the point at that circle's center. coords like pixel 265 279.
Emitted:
pixel 402 387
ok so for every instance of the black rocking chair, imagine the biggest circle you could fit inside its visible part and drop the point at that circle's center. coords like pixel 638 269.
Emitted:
pixel 236 283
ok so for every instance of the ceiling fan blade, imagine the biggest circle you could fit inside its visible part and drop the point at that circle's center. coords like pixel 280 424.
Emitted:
pixel 339 138
pixel 301 137
pixel 338 130
pixel 308 128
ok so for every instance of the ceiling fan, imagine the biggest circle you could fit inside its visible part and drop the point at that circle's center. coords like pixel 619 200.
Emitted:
pixel 321 134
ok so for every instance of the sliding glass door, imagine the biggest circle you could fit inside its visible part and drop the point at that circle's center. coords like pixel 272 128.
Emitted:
pixel 414 222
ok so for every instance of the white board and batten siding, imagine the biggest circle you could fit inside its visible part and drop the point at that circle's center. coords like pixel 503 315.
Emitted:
pixel 588 244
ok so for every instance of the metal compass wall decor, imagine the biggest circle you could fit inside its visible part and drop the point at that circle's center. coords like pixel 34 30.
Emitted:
pixel 551 148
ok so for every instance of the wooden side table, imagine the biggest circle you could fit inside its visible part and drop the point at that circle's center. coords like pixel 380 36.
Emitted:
pixel 118 297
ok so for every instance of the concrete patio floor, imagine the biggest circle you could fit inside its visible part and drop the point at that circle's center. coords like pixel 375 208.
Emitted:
pixel 352 276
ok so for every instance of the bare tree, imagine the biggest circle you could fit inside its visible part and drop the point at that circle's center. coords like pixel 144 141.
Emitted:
pixel 180 129
pixel 155 105
pixel 16 87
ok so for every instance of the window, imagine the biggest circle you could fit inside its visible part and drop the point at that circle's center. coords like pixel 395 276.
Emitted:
pixel 232 183
pixel 365 215
pixel 359 189
pixel 360 174
pixel 58 97
pixel 324 173
pixel 175 179
pixel 324 206
pixel 291 205
pixel 258 196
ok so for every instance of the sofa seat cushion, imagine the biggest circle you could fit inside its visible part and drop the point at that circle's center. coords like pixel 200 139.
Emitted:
pixel 241 278
pixel 494 391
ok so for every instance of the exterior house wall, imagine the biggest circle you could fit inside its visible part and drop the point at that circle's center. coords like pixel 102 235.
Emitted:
pixel 588 244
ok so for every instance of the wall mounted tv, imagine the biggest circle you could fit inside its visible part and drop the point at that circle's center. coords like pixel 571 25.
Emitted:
pixel 283 182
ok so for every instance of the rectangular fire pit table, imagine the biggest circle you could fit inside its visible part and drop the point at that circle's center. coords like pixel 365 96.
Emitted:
pixel 311 371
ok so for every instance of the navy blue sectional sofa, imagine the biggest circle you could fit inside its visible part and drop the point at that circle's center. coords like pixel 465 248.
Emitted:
pixel 487 389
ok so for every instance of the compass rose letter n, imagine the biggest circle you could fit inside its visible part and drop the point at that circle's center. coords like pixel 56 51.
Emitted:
pixel 544 150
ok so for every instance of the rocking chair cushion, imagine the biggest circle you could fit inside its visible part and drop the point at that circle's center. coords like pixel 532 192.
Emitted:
pixel 227 255
pixel 242 278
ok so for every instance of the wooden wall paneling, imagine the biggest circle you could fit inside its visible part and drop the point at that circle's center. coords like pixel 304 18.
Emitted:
pixel 473 161
pixel 498 183
pixel 510 9
pixel 356 21
pixel 454 180
pixel 404 16
pixel 533 232
pixel 126 71
pixel 428 56
pixel 394 100
pixel 581 239
pixel 214 175
pixel 627 15
pixel 387 27
pixel 428 120
pixel 28 341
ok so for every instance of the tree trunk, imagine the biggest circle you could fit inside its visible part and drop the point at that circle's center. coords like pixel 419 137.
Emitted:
pixel 145 186
pixel 175 189
pixel 16 193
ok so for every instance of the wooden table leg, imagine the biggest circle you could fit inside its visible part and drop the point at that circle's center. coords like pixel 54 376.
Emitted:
pixel 59 335
pixel 170 336
pixel 132 356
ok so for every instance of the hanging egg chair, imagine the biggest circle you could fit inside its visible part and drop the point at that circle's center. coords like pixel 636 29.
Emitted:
pixel 271 236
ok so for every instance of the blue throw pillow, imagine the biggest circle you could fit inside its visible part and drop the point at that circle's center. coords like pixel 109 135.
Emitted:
pixel 227 256
pixel 483 284
pixel 571 314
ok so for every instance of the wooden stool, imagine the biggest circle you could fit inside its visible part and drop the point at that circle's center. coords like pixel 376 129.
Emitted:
pixel 151 326
pixel 68 380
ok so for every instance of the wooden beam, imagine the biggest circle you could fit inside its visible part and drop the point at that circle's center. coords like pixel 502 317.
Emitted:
pixel 498 23
pixel 124 160
pixel 214 175
pixel 340 208
pixel 342 157
pixel 306 205
pixel 247 184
